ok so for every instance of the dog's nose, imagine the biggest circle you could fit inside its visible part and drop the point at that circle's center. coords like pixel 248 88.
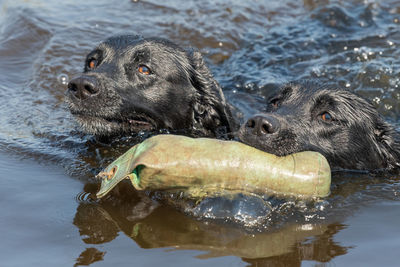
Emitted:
pixel 262 124
pixel 83 87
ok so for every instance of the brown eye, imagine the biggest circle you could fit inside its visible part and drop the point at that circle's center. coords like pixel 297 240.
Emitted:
pixel 275 102
pixel 326 117
pixel 92 63
pixel 144 70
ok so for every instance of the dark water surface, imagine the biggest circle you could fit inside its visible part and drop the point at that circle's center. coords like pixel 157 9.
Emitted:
pixel 47 215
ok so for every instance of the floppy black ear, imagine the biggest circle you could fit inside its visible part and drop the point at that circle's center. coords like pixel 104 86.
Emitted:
pixel 211 111
pixel 388 140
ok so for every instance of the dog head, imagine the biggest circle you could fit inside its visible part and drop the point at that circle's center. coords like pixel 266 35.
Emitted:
pixel 339 124
pixel 131 84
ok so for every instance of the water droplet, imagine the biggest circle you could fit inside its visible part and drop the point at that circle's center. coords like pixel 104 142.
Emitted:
pixel 388 107
pixel 390 43
pixel 365 56
pixel 63 79
pixel 307 227
pixel 321 205
pixel 345 48
pixel 220 44
pixel 347 85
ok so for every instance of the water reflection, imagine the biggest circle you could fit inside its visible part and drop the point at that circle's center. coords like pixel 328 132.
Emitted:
pixel 101 223
pixel 89 256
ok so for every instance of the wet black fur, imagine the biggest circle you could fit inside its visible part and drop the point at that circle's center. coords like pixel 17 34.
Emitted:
pixel 357 137
pixel 179 93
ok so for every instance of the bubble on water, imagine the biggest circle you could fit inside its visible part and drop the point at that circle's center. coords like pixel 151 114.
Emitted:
pixel 164 131
pixel 317 71
pixel 244 209
pixel 63 79
pixel 308 218
pixel 365 56
pixel 394 82
pixel 388 107
pixel 307 227
pixel 250 86
pixel 321 205
pixel 376 100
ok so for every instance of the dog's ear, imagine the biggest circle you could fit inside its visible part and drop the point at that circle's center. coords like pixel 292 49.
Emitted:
pixel 211 111
pixel 388 140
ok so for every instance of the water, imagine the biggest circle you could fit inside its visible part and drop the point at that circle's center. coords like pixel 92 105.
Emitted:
pixel 48 215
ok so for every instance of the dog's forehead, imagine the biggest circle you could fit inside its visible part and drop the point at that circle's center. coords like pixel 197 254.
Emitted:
pixel 160 50
pixel 297 93
pixel 122 41
pixel 309 91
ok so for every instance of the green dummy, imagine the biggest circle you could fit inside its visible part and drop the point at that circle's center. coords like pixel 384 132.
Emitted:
pixel 201 167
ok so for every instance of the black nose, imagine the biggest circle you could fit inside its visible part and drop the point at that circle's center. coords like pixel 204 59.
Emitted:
pixel 262 124
pixel 83 87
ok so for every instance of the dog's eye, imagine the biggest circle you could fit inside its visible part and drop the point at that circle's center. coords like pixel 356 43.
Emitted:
pixel 275 102
pixel 92 63
pixel 144 70
pixel 326 117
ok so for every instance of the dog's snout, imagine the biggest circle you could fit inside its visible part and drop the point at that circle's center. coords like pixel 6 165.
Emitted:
pixel 83 87
pixel 262 124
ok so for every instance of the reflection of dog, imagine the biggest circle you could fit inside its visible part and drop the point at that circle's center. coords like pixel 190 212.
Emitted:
pixel 131 84
pixel 342 126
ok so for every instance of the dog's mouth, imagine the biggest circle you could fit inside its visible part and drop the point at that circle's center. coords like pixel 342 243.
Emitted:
pixel 99 125
pixel 140 122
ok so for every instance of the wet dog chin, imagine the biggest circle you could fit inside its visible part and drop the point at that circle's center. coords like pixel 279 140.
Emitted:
pixel 109 126
pixel 263 146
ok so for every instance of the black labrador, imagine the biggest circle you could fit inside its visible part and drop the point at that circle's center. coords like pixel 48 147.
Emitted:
pixel 339 124
pixel 133 84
